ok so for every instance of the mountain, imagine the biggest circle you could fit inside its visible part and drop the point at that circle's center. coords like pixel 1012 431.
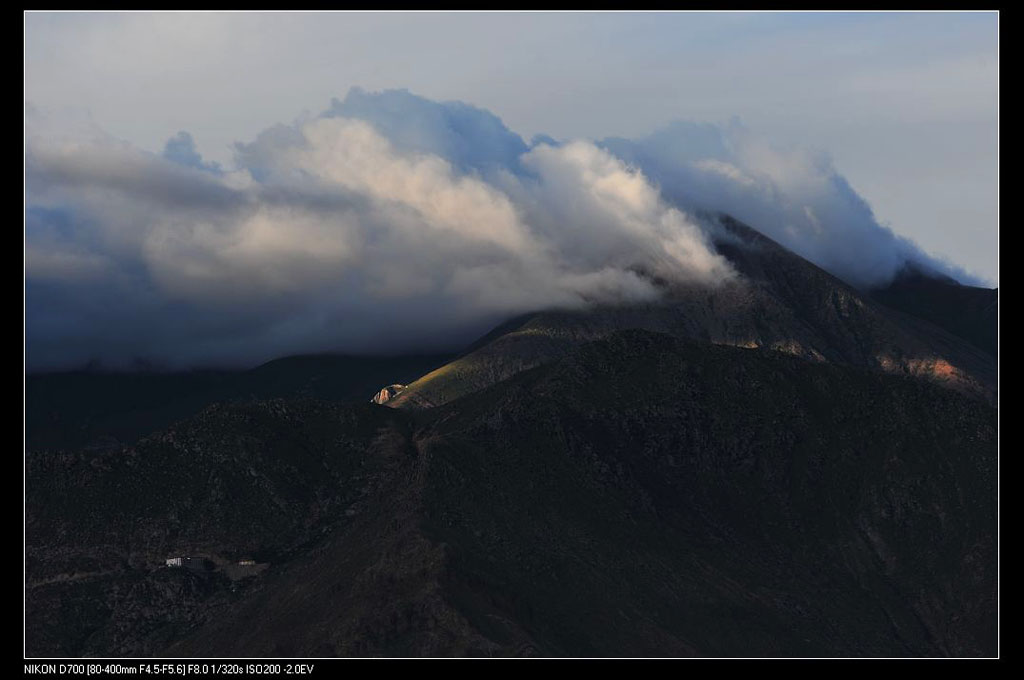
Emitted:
pixel 779 466
pixel 97 409
pixel 969 312
pixel 643 495
pixel 780 302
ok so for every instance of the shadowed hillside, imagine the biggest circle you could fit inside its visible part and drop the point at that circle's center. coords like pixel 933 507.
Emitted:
pixel 644 495
pixel 98 409
pixel 966 311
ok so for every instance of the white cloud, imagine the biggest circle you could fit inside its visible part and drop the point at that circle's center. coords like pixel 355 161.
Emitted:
pixel 791 194
pixel 394 223
pixel 330 236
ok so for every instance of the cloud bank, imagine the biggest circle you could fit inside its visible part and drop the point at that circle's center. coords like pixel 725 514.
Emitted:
pixel 393 223
pixel 793 195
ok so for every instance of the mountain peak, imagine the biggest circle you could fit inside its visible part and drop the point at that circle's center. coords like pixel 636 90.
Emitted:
pixel 780 302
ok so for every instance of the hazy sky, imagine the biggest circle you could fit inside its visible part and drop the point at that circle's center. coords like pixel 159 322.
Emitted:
pixel 906 103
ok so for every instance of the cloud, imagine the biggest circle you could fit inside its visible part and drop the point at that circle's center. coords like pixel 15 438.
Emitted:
pixel 392 223
pixel 329 235
pixel 469 138
pixel 793 195
pixel 181 149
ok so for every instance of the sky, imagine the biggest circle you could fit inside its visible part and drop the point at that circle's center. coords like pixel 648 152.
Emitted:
pixel 149 136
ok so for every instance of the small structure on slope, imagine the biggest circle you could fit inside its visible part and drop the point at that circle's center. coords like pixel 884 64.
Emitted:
pixel 192 563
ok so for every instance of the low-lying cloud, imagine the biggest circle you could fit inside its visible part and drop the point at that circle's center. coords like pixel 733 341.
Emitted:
pixel 793 195
pixel 393 223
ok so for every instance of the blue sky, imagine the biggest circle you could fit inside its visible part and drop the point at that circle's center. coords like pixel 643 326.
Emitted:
pixel 906 103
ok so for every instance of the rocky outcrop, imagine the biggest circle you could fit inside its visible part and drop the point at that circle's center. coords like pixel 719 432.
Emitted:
pixel 387 393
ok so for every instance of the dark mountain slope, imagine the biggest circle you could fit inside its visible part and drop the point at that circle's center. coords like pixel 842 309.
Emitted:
pixel 645 495
pixel 969 312
pixel 723 502
pixel 780 302
pixel 261 481
pixel 76 409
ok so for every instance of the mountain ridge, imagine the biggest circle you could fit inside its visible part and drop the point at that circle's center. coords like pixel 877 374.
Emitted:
pixel 781 301
pixel 75 409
